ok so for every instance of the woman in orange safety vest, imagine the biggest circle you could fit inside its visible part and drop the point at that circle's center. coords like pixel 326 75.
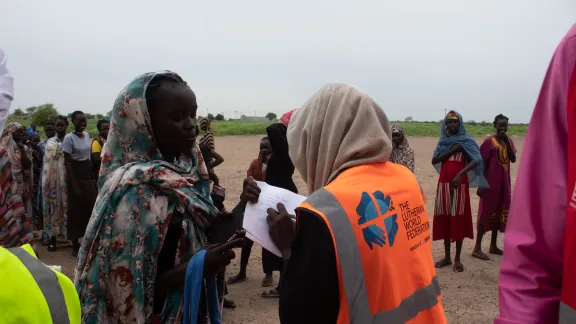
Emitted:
pixel 360 252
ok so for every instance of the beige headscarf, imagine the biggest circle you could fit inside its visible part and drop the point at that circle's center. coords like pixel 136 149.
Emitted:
pixel 338 128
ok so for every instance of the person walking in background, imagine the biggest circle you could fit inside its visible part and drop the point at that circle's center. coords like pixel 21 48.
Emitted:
pixel 350 231
pixel 15 226
pixel 497 151
pixel 279 174
pixel 402 153
pixel 537 281
pixel 6 90
pixel 457 158
pixel 103 127
pixel 79 178
pixel 54 187
pixel 256 171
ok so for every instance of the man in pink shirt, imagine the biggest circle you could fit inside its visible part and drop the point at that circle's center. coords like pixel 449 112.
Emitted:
pixel 531 276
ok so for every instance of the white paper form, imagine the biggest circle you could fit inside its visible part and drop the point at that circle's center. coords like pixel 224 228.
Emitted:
pixel 255 215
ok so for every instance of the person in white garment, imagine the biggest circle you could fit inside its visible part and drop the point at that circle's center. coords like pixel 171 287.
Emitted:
pixel 6 91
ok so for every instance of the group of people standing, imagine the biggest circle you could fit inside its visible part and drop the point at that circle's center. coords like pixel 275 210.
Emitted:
pixel 49 185
pixel 359 251
pixel 462 165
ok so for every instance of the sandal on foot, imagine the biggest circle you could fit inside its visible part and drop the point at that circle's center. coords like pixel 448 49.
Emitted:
pixel 458 267
pixel 442 263
pixel 267 281
pixel 480 255
pixel 236 279
pixel 496 251
pixel 272 293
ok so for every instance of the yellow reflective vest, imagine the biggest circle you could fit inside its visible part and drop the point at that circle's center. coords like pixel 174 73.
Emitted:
pixel 32 293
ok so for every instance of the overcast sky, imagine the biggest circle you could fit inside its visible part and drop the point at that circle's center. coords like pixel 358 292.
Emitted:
pixel 415 57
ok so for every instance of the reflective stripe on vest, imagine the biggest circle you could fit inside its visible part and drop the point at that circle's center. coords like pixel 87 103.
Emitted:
pixel 353 276
pixel 567 314
pixel 48 283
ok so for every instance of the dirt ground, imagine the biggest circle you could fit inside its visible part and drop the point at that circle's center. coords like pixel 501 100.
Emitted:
pixel 470 297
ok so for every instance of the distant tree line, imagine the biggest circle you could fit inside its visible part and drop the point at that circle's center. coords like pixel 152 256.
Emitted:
pixel 47 112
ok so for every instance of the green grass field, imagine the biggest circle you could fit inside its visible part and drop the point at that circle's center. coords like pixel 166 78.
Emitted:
pixel 259 128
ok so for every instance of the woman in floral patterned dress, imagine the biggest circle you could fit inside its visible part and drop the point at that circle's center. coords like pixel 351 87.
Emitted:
pixel 54 188
pixel 153 209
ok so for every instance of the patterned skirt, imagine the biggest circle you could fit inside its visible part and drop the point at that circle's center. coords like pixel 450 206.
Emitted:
pixel 452 212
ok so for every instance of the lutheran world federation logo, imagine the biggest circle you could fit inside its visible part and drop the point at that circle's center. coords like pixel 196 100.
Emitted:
pixel 374 207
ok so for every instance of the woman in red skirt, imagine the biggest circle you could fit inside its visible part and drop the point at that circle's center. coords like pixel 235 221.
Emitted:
pixel 458 160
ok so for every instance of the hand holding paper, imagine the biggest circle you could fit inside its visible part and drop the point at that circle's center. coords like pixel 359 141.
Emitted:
pixel 281 228
pixel 255 215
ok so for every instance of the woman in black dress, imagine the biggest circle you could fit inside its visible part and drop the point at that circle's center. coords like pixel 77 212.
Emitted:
pixel 279 174
pixel 81 187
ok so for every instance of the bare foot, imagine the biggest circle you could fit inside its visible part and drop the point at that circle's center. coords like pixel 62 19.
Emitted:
pixel 458 266
pixel 480 255
pixel 495 250
pixel 443 263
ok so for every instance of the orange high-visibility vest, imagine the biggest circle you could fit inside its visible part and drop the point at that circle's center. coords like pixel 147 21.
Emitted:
pixel 381 234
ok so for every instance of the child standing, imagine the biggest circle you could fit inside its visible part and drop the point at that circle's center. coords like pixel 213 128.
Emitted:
pixel 457 158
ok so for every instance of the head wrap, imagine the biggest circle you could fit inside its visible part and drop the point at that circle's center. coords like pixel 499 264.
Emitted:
pixel 139 193
pixel 8 144
pixel 402 153
pixel 17 226
pixel 446 142
pixel 285 119
pixel 452 116
pixel 338 128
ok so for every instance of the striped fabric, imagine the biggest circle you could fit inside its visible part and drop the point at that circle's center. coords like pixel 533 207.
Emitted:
pixel 15 227
pixel 207 141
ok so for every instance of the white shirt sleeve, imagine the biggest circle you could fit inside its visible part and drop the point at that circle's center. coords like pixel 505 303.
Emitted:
pixel 6 91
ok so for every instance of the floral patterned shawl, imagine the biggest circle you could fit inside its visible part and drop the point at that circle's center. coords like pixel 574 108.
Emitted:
pixel 402 153
pixel 139 192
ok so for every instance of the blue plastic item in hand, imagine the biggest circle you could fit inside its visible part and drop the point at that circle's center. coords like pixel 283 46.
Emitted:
pixel 193 291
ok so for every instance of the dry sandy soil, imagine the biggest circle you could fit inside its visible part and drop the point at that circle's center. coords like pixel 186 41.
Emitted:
pixel 470 297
